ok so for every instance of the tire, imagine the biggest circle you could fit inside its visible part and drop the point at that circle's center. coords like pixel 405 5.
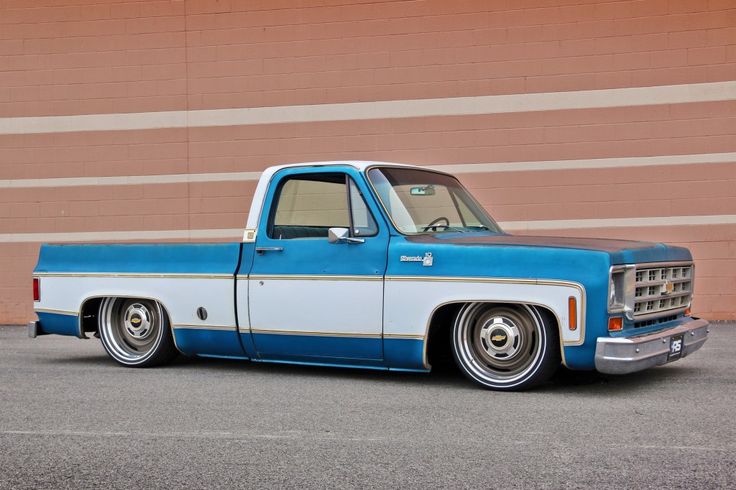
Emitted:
pixel 505 348
pixel 135 332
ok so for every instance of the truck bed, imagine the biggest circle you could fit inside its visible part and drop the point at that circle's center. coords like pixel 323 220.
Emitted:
pixel 182 276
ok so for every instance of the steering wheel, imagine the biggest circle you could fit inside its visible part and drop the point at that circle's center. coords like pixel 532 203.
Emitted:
pixel 436 222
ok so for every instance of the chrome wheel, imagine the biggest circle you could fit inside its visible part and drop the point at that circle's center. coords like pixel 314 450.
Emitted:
pixel 135 332
pixel 504 347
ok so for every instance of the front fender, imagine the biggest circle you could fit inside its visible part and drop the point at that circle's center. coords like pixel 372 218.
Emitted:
pixel 411 301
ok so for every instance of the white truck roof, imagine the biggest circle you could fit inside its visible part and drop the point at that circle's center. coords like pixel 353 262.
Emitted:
pixel 359 164
pixel 260 193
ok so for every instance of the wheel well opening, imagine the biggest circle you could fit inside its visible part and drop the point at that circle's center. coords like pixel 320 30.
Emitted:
pixel 90 310
pixel 439 337
pixel 439 342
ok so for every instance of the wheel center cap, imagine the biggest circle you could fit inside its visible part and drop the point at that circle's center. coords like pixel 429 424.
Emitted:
pixel 499 338
pixel 137 321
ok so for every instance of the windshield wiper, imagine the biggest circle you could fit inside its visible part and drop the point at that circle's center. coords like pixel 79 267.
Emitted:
pixel 445 229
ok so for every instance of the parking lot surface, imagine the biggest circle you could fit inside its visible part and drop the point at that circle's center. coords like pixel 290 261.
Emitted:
pixel 70 417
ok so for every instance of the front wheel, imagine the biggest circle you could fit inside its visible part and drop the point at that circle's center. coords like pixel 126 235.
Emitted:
pixel 504 347
pixel 135 332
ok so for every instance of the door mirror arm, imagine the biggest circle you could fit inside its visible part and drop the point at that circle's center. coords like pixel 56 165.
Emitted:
pixel 342 235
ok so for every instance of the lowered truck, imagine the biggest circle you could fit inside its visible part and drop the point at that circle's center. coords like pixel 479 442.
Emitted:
pixel 381 266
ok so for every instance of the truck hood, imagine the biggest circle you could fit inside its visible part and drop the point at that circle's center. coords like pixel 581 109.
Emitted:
pixel 621 251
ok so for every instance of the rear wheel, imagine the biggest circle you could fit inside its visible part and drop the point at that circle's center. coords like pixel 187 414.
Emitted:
pixel 135 332
pixel 504 347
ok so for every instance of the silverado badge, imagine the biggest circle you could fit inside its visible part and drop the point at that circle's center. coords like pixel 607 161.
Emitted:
pixel 427 260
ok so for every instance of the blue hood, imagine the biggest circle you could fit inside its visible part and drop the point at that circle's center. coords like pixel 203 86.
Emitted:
pixel 620 251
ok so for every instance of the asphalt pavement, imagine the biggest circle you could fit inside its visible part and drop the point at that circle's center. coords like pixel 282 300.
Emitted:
pixel 71 418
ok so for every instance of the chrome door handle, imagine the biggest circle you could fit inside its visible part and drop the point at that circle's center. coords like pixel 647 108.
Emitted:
pixel 261 250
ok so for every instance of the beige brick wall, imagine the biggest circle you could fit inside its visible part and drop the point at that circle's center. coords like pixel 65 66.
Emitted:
pixel 74 57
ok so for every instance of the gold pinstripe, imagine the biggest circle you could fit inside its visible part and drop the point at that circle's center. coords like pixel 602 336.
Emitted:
pixel 309 277
pixel 313 333
pixel 194 326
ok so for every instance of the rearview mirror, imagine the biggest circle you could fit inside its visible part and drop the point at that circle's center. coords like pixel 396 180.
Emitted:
pixel 339 235
pixel 427 190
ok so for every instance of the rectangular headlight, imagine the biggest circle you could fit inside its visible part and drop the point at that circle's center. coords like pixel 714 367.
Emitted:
pixel 621 290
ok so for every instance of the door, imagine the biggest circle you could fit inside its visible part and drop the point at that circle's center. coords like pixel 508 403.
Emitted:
pixel 313 299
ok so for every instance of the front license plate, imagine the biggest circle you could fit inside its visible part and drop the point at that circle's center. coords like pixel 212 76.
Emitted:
pixel 675 347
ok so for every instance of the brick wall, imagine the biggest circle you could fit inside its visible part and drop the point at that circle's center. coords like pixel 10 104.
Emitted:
pixel 78 57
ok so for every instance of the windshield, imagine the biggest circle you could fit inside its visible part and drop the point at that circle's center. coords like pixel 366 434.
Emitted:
pixel 420 201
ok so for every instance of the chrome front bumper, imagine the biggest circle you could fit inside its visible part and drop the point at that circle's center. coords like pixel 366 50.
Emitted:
pixel 622 355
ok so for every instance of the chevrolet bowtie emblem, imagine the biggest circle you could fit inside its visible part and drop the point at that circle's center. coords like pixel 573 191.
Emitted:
pixel 669 287
pixel 498 338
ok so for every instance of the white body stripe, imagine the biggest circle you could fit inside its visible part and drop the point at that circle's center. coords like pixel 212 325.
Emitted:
pixel 180 296
pixel 351 308
pixel 410 303
pixel 317 306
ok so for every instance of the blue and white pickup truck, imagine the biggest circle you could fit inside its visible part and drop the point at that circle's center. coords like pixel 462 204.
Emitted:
pixel 383 266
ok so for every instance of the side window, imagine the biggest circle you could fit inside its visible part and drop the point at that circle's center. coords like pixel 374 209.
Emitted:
pixel 307 206
pixel 362 219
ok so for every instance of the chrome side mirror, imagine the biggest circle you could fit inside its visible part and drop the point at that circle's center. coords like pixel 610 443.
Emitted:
pixel 340 235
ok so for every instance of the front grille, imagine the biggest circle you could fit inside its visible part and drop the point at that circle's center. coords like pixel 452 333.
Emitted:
pixel 662 289
pixel 654 321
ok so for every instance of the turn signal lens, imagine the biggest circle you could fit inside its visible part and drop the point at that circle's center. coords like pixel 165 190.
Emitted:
pixel 36 290
pixel 572 313
pixel 688 311
pixel 615 324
